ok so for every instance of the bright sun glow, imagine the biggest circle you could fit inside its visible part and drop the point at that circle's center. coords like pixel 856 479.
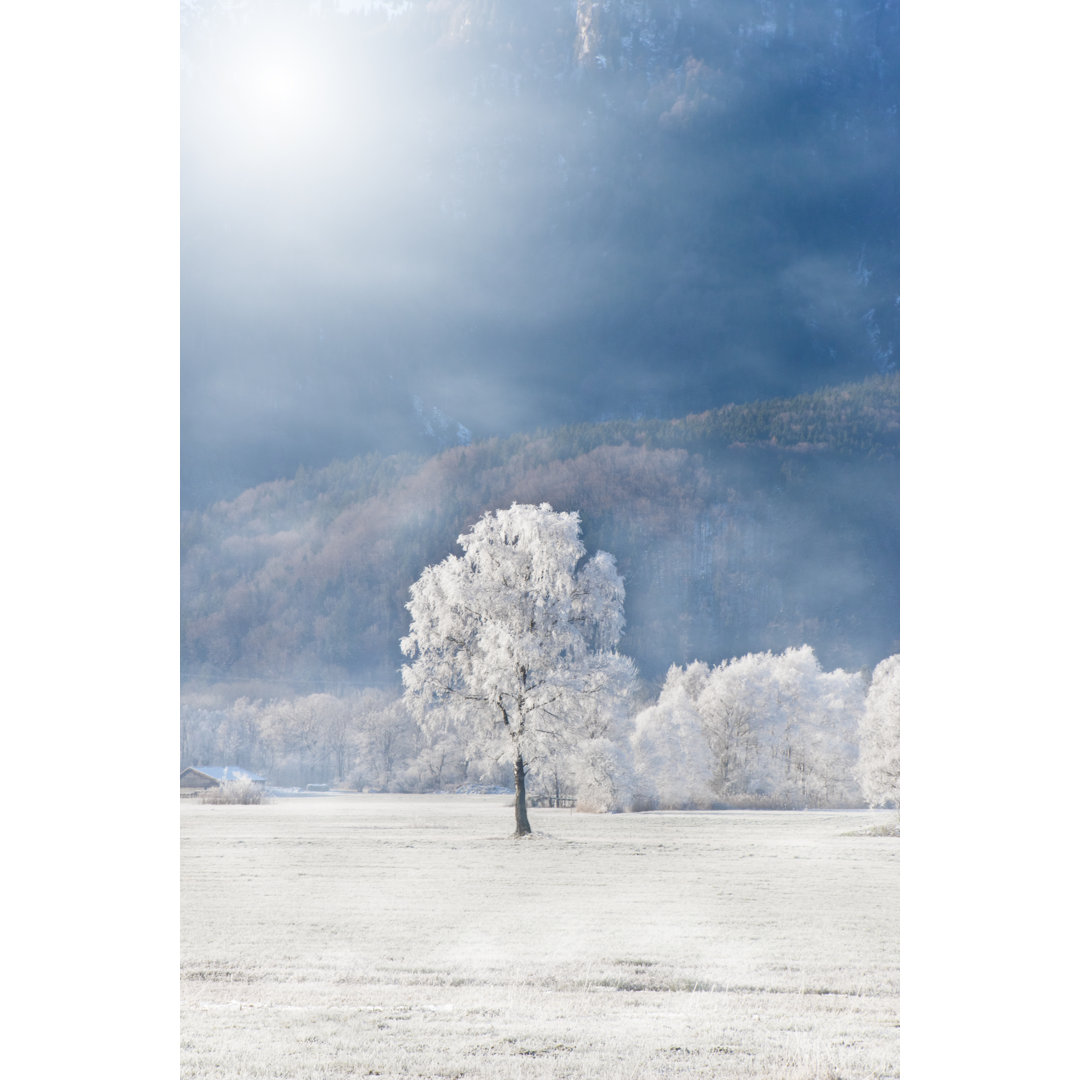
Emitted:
pixel 280 86
pixel 280 89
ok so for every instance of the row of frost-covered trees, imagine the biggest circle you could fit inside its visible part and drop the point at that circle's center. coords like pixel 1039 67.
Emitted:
pixel 763 729
pixel 512 669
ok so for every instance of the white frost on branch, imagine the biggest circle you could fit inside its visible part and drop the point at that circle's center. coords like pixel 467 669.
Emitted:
pixel 513 642
pixel 760 727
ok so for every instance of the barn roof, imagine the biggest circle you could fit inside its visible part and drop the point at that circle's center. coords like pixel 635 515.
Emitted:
pixel 222 773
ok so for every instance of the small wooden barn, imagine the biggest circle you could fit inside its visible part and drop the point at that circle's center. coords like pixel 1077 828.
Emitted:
pixel 211 776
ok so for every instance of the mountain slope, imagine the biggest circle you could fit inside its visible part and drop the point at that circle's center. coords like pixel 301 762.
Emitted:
pixel 744 528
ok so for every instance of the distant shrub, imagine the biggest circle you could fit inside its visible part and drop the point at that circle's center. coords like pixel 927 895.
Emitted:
pixel 890 829
pixel 234 792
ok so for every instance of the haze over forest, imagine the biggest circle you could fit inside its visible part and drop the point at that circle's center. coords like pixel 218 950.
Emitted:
pixel 409 226
pixel 742 529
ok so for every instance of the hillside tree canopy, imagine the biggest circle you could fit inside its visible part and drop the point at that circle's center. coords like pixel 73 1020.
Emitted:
pixel 515 640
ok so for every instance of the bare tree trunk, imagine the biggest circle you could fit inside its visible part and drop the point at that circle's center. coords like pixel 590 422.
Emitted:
pixel 520 816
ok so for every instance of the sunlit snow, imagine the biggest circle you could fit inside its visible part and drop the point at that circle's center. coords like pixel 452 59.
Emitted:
pixel 409 935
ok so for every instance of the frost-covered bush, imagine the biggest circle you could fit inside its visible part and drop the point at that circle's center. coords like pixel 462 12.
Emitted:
pixel 243 791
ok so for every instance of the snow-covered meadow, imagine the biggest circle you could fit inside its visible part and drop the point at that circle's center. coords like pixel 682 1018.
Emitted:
pixel 383 935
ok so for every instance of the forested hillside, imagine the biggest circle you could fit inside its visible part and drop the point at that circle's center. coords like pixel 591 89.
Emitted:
pixel 741 529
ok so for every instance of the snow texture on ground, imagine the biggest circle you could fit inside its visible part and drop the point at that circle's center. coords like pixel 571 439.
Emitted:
pixel 411 936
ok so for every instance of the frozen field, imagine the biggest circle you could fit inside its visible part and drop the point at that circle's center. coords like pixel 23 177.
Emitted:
pixel 409 936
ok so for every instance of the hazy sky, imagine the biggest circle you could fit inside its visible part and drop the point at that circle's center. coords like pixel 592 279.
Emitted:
pixel 523 217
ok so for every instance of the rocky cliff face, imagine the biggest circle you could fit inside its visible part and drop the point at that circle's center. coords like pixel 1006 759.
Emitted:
pixel 653 36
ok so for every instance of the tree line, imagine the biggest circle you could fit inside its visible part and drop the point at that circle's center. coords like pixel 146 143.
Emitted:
pixel 760 730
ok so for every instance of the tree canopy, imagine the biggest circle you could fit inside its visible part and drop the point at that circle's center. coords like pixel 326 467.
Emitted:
pixel 514 642
pixel 878 767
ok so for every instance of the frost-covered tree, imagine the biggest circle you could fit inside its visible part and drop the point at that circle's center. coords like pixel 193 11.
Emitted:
pixel 761 726
pixel 199 727
pixel 385 739
pixel 308 738
pixel 878 769
pixel 440 760
pixel 736 709
pixel 831 735
pixel 811 739
pixel 511 641
pixel 673 764
pixel 599 766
